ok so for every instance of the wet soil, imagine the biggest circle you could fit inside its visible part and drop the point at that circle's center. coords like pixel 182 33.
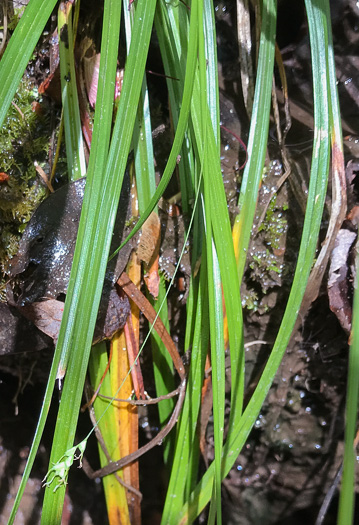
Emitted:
pixel 295 449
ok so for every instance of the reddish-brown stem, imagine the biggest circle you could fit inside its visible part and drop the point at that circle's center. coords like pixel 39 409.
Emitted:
pixel 237 137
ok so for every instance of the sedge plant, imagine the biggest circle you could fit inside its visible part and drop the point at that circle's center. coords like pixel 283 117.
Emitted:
pixel 187 42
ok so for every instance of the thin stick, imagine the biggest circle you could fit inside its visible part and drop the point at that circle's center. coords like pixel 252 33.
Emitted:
pixel 95 394
pixel 144 402
pixel 117 465
pixel 44 177
pixel 145 306
pixel 86 465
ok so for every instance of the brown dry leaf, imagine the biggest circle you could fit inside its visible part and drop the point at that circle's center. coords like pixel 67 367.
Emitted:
pixel 339 286
pixel 148 252
pixel 152 279
pixel 19 335
pixel 91 71
pixel 149 243
pixel 151 315
pixel 46 316
pixel 132 351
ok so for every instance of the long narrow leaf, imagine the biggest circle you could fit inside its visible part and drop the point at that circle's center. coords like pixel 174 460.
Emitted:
pixel 258 136
pixel 73 134
pixel 214 277
pixel 347 491
pixel 90 260
pixel 186 440
pixel 115 493
pixel 20 48
pixel 316 197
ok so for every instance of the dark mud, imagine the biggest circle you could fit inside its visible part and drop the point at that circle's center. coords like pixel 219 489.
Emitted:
pixel 295 449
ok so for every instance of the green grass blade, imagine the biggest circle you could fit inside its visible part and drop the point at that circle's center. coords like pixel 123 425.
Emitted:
pixel 76 164
pixel 142 139
pixel 90 259
pixel 114 492
pixel 186 457
pixel 210 100
pixel 172 25
pixel 143 150
pixel 221 228
pixel 338 179
pixel 38 434
pixel 163 370
pixel 218 373
pixel 258 135
pixel 146 187
pixel 172 30
pixel 180 132
pixel 224 247
pixel 316 197
pixel 212 70
pixel 103 114
pixel 184 467
pixel 20 48
pixel 347 490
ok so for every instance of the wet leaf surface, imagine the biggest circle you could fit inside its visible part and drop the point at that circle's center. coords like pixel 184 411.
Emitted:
pixel 342 270
pixel 18 335
pixel 340 289
pixel 41 268
pixel 172 235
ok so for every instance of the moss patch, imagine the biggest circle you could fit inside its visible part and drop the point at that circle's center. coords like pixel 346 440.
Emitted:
pixel 24 138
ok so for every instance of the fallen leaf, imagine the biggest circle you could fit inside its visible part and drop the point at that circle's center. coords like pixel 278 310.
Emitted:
pixel 41 268
pixel 340 281
pixel 18 335
pixel 150 239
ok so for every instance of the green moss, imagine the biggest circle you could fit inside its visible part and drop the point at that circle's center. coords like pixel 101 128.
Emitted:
pixel 250 300
pixel 265 262
pixel 274 224
pixel 14 20
pixel 265 265
pixel 24 138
